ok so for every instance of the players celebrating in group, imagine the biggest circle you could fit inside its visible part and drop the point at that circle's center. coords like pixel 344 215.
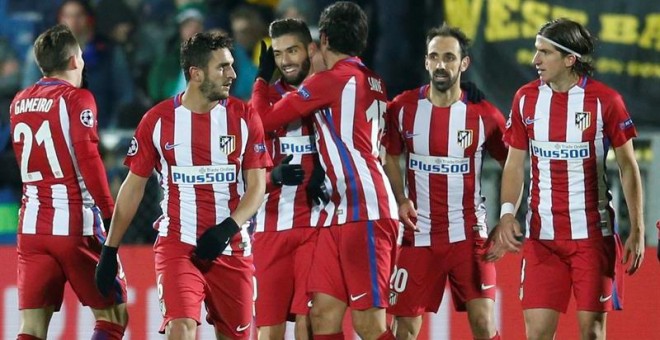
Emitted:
pixel 327 218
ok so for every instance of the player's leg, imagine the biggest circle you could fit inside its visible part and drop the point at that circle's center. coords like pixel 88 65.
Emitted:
pixel 368 251
pixel 416 286
pixel 541 323
pixel 481 315
pixel 306 239
pixel 545 287
pixel 180 288
pixel 592 325
pixel 273 262
pixel 229 296
pixel 40 284
pixel 326 283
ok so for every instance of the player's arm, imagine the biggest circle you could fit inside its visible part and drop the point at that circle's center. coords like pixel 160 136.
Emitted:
pixel 407 209
pixel 506 235
pixel 254 196
pixel 631 183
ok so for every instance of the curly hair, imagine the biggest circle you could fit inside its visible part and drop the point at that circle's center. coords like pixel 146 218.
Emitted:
pixel 346 27
pixel 196 51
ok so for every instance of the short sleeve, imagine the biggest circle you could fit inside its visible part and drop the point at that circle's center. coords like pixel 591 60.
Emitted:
pixel 142 156
pixel 83 116
pixel 618 125
pixel 515 134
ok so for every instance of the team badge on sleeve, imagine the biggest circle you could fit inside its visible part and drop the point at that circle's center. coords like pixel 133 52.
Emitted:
pixel 464 138
pixel 583 120
pixel 259 148
pixel 87 118
pixel 304 92
pixel 227 144
pixel 133 148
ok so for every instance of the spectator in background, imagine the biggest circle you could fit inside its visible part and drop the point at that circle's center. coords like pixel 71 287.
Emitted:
pixel 248 29
pixel 166 78
pixel 106 65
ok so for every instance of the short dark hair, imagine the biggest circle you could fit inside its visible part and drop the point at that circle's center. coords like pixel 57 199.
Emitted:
pixel 293 26
pixel 345 25
pixel 574 36
pixel 86 7
pixel 448 31
pixel 53 48
pixel 196 51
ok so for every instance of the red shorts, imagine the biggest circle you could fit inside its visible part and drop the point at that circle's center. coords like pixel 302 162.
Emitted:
pixel 282 260
pixel 421 273
pixel 550 268
pixel 47 262
pixel 353 262
pixel 225 287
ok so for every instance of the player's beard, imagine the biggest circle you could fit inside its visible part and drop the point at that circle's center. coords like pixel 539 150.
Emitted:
pixel 211 91
pixel 444 85
pixel 300 76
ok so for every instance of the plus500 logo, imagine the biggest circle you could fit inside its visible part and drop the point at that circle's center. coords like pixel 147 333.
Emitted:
pixel 204 174
pixel 297 145
pixel 560 151
pixel 439 165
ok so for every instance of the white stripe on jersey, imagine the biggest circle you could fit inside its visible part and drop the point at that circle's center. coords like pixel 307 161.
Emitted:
pixel 260 220
pixel 240 187
pixel 603 191
pixel 336 165
pixel 183 157
pixel 31 210
pixel 455 189
pixel 421 127
pixel 576 192
pixel 347 120
pixel 163 223
pixel 541 132
pixel 220 190
pixel 60 209
pixel 479 206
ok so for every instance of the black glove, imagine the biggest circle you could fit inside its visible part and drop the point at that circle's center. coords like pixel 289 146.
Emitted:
pixel 106 224
pixel 316 191
pixel 287 174
pixel 215 239
pixel 106 270
pixel 473 93
pixel 84 84
pixel 266 63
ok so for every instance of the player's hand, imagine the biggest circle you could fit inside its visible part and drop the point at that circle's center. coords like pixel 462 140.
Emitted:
pixel 633 250
pixel 317 193
pixel 505 237
pixel 106 270
pixel 106 224
pixel 215 239
pixel 287 174
pixel 473 93
pixel 266 62
pixel 406 212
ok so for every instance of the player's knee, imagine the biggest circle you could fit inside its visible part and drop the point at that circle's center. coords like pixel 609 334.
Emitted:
pixel 117 314
pixel 539 333
pixel 408 328
pixel 482 326
pixel 108 330
pixel 181 329
pixel 595 332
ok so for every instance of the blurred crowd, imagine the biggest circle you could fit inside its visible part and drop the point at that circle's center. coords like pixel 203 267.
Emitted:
pixel 131 54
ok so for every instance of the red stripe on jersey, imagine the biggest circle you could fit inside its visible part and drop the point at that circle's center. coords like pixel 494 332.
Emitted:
pixel 559 182
pixel 201 155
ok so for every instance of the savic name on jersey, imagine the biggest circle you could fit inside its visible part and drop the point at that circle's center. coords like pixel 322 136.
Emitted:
pixel 300 145
pixel 560 150
pixel 439 165
pixel 211 174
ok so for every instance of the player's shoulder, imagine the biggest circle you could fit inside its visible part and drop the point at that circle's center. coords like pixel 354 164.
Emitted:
pixel 411 96
pixel 234 104
pixel 531 88
pixel 162 109
pixel 599 89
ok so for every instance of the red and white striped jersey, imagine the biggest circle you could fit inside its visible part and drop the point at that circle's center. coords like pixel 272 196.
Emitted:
pixel 53 123
pixel 286 207
pixel 444 148
pixel 348 103
pixel 200 158
pixel 568 136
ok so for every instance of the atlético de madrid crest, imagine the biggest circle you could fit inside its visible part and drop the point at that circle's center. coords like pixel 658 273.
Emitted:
pixel 464 138
pixel 583 120
pixel 227 144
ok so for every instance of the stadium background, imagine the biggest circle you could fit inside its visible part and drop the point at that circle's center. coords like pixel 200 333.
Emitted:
pixel 627 58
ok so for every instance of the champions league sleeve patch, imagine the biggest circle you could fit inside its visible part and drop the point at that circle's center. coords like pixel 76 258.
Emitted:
pixel 304 93
pixel 133 148
pixel 259 148
pixel 626 124
pixel 87 118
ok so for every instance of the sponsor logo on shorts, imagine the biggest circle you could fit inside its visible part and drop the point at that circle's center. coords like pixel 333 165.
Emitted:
pixel 309 303
pixel 486 287
pixel 241 328
pixel 393 298
pixel 604 298
pixel 357 297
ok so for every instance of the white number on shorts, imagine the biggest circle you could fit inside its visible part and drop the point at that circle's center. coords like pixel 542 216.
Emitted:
pixel 399 280
pixel 43 136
